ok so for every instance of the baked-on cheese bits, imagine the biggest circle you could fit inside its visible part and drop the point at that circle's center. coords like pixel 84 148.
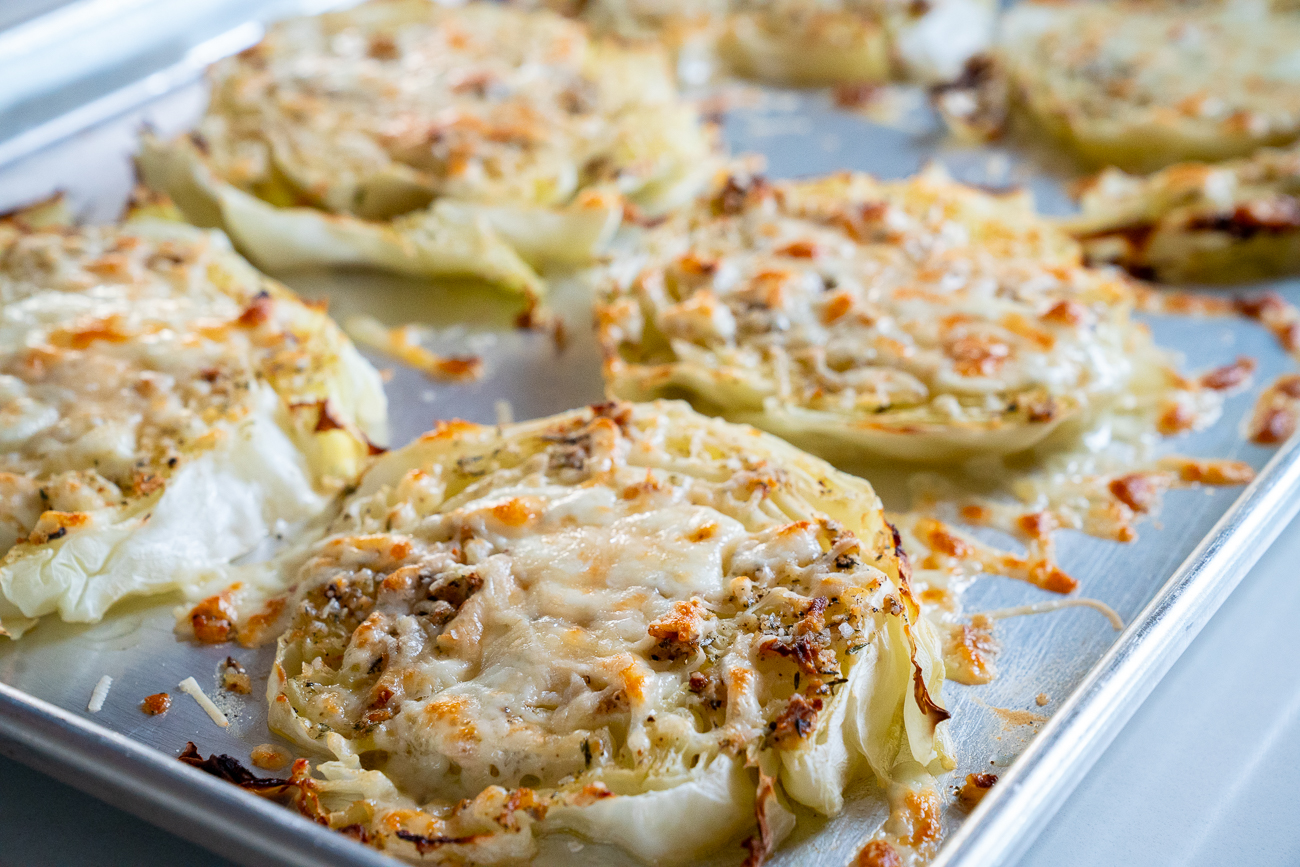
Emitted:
pixel 162 407
pixel 1222 222
pixel 1141 84
pixel 919 319
pixel 804 42
pixel 629 622
pixel 404 135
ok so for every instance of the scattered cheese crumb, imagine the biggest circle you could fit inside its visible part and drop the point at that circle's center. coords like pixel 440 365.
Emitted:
pixel 234 678
pixel 1042 699
pixel 190 687
pixel 505 412
pixel 99 694
pixel 270 757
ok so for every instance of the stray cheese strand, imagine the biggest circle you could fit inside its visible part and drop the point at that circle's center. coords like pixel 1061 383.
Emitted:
pixel 100 693
pixel 1056 605
pixel 190 687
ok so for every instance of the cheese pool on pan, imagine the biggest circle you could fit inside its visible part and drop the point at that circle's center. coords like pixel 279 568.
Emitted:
pixel 162 407
pixel 1141 84
pixel 805 42
pixel 919 319
pixel 633 623
pixel 406 135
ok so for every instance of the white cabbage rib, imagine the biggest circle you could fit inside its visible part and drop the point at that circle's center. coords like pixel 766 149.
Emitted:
pixel 180 408
pixel 616 620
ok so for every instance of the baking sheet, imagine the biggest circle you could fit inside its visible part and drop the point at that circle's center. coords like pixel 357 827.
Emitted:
pixel 1092 680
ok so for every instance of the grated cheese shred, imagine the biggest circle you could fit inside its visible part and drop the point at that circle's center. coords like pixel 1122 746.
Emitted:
pixel 191 687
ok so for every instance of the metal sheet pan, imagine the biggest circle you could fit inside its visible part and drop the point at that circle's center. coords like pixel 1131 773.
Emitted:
pixel 1165 586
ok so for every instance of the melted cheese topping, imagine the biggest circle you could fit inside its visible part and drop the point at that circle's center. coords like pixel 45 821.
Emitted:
pixel 613 610
pixel 1142 84
pixel 918 318
pixel 379 110
pixel 1201 222
pixel 138 360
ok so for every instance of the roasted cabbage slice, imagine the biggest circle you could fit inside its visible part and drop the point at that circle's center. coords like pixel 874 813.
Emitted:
pixel 409 136
pixel 804 42
pixel 1141 84
pixel 163 407
pixel 919 319
pixel 629 622
pixel 1225 222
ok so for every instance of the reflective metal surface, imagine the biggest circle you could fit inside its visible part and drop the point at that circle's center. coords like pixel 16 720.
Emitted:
pixel 1165 585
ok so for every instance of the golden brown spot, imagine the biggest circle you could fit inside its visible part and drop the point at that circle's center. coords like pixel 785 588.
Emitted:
pixel 85 332
pixel 213 620
pixel 878 853
pixel 382 47
pixel 55 525
pixel 970 650
pixel 1049 576
pixel 696 266
pixel 445 430
pixel 974 355
pixel 1021 327
pixel 796 723
pixel 678 634
pixel 799 250
pixel 1037 525
pixel 253 632
pixel 270 757
pixel 144 484
pixel 516 512
pixel 921 812
pixel 974 789
pixel 1175 418
pixel 633 682
pixel 837 307
pixel 855 95
pixel 157 704
pixel 257 313
pixel 1136 491
pixel 1014 717
pixel 703 533
pixel 1066 312
pixel 1275 425
pixel 1211 471
pixel 1229 376
pixel 112 265
pixel 234 677
pixel 940 540
pixel 1288 385
pixel 934 595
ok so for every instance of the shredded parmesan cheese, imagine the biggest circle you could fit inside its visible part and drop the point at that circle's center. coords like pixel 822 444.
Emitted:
pixel 99 694
pixel 190 687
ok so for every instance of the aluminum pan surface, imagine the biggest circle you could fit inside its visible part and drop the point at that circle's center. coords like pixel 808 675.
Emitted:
pixel 1049 654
